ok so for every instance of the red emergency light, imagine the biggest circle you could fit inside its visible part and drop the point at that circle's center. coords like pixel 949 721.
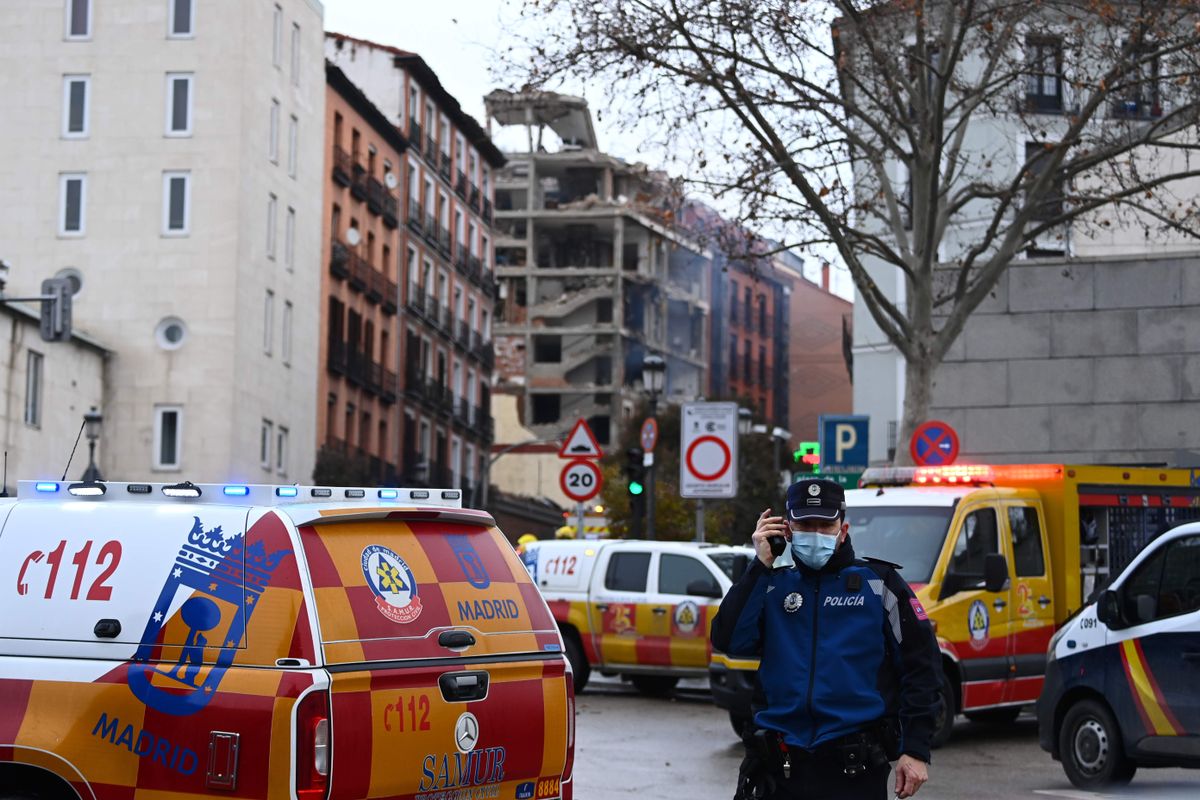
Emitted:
pixel 812 459
pixel 955 475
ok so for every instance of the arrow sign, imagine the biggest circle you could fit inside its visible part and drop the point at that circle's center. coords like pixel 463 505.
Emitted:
pixel 581 443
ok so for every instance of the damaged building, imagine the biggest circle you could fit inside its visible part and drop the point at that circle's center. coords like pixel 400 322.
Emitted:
pixel 594 274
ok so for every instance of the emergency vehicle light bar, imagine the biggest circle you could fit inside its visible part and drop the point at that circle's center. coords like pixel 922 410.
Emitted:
pixel 953 475
pixel 239 494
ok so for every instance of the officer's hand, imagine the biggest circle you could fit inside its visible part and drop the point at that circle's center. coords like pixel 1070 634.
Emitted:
pixel 911 774
pixel 767 526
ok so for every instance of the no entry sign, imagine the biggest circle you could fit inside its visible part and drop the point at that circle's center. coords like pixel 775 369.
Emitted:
pixel 708 450
pixel 934 444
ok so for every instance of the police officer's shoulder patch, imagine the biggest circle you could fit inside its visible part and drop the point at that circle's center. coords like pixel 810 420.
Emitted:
pixel 881 562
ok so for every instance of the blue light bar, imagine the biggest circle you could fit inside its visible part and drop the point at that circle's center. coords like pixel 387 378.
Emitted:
pixel 236 491
pixel 286 491
pixel 46 486
pixel 388 494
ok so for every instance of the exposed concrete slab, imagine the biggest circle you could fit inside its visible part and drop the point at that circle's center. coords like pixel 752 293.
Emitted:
pixel 1093 333
pixel 999 336
pixel 1059 287
pixel 973 383
pixel 1138 379
pixel 1135 284
pixel 1050 381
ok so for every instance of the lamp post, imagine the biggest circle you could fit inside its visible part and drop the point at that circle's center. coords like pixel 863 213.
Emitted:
pixel 778 437
pixel 654 373
pixel 91 429
pixel 744 424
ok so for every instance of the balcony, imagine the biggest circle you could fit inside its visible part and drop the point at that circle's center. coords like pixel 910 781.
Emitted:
pixel 462 411
pixel 431 148
pixel 443 241
pixel 339 256
pixel 359 271
pixel 416 216
pixel 390 386
pixel 391 294
pixel 460 184
pixel 416 300
pixel 415 136
pixel 375 192
pixel 475 198
pixel 464 334
pixel 336 361
pixel 487 211
pixel 444 165
pixel 342 166
pixel 358 181
pixel 431 229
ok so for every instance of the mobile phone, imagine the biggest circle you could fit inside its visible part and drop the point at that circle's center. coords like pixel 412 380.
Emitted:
pixel 778 545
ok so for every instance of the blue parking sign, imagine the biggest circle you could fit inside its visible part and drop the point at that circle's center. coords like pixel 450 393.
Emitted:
pixel 843 442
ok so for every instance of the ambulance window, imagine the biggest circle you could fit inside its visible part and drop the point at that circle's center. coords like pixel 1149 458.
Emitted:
pixel 1026 540
pixel 677 573
pixel 1179 592
pixel 627 572
pixel 978 539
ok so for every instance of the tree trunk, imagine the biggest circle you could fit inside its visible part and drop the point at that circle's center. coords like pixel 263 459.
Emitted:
pixel 918 387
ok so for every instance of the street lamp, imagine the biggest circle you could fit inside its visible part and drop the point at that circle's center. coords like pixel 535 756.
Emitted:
pixel 654 373
pixel 745 421
pixel 92 421
pixel 778 437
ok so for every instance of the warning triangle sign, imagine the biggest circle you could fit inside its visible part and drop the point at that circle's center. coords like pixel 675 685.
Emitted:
pixel 581 443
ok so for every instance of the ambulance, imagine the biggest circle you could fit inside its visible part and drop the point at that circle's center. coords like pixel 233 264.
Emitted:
pixel 1120 688
pixel 639 609
pixel 184 641
pixel 999 556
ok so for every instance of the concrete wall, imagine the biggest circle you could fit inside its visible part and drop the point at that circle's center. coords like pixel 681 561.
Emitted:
pixel 1075 361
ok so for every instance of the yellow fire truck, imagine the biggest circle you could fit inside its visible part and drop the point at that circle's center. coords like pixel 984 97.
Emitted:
pixel 1000 556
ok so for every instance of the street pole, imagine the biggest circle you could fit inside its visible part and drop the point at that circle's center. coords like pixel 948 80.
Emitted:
pixel 650 476
pixel 700 520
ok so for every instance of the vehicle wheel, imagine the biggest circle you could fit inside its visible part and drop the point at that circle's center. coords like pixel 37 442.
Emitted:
pixel 654 685
pixel 579 664
pixel 943 724
pixel 1091 749
pixel 739 723
pixel 994 716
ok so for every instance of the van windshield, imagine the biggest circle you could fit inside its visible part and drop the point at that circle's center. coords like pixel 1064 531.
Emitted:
pixel 911 536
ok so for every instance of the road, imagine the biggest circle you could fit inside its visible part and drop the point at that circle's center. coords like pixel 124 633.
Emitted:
pixel 683 748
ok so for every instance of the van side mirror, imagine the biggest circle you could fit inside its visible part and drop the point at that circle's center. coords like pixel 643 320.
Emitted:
pixel 703 588
pixel 1108 610
pixel 995 572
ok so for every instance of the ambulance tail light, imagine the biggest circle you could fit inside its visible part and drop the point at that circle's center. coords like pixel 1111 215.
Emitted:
pixel 569 765
pixel 314 748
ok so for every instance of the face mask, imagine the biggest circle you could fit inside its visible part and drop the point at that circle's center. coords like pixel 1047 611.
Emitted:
pixel 813 549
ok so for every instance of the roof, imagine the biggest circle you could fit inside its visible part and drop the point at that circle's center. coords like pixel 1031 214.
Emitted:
pixel 424 75
pixel 35 318
pixel 565 114
pixel 338 81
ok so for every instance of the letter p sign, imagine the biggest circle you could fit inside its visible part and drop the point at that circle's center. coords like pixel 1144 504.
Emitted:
pixel 845 438
pixel 843 442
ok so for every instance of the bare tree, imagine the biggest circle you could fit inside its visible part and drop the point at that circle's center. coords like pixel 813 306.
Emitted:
pixel 939 139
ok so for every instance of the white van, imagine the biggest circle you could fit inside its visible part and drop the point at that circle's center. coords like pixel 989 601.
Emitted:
pixel 1121 676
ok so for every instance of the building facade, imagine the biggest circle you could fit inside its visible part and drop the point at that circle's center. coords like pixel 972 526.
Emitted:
pixel 360 421
pixel 175 170
pixel 447 285
pixel 594 275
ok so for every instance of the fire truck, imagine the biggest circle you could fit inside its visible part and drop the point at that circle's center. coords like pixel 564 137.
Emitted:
pixel 999 556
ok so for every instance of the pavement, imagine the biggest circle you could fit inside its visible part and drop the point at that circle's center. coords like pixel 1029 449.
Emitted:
pixel 683 748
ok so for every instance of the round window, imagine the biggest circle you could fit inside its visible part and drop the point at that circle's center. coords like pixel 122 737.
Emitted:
pixel 171 333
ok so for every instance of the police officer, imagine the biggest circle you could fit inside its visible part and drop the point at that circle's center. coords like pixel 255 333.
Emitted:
pixel 849 664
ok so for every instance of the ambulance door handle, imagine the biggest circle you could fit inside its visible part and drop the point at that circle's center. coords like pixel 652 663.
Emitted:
pixel 459 687
pixel 107 629
pixel 455 639
pixel 1043 601
pixel 659 610
pixel 602 606
pixel 999 603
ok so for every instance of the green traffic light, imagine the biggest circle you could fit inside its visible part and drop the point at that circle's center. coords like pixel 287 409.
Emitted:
pixel 635 487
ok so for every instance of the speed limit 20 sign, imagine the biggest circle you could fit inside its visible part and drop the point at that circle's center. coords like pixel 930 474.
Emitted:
pixel 580 480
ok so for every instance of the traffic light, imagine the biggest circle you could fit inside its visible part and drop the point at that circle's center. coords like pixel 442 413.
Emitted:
pixel 808 458
pixel 635 471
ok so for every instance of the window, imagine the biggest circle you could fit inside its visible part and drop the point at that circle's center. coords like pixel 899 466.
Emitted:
pixel 273 140
pixel 72 213
pixel 546 408
pixel 547 349
pixel 33 389
pixel 677 573
pixel 286 347
pixel 176 203
pixel 293 130
pixel 627 572
pixel 762 315
pixel 272 212
pixel 762 366
pixel 289 239
pixel 295 54
pixel 733 350
pixel 179 104
pixel 266 434
pixel 277 37
pixel 281 440
pixel 1137 96
pixel 1037 161
pixel 183 18
pixel 1043 79
pixel 1026 540
pixel 268 321
pixel 79 19
pixel 168 437
pixel 978 539
pixel 75 106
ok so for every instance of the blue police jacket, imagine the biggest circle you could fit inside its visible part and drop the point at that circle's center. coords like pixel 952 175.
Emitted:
pixel 841 648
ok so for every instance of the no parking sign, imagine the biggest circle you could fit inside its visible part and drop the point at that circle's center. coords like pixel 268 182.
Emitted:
pixel 934 444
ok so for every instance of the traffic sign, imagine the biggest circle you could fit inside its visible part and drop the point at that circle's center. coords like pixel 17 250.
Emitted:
pixel 708 446
pixel 580 443
pixel 580 480
pixel 934 444
pixel 843 443
pixel 649 434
